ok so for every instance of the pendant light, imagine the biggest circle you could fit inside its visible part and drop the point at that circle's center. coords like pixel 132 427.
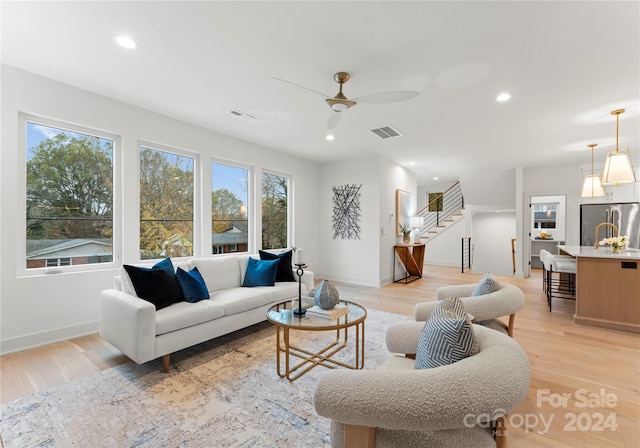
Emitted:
pixel 592 187
pixel 618 168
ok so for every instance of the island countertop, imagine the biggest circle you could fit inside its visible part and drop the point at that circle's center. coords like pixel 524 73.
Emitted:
pixel 602 252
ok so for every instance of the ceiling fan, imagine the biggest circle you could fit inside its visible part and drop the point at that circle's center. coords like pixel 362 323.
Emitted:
pixel 341 103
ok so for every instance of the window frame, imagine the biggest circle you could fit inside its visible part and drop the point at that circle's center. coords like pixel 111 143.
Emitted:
pixel 251 208
pixel 21 208
pixel 289 204
pixel 197 213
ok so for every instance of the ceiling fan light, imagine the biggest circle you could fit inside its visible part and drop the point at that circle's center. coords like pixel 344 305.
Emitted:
pixel 339 107
pixel 592 187
pixel 618 168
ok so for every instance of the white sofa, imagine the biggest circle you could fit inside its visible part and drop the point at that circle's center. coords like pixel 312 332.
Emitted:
pixel 134 327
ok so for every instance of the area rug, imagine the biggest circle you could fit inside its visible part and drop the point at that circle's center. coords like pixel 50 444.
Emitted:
pixel 222 393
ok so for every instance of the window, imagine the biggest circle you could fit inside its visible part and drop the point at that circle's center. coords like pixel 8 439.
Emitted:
pixel 166 204
pixel 229 208
pixel 69 196
pixel 275 199
pixel 54 262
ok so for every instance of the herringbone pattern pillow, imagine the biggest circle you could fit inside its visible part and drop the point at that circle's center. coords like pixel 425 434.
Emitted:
pixel 447 336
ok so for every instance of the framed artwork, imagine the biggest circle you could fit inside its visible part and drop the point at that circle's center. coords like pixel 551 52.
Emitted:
pixel 403 204
pixel 346 212
pixel 435 202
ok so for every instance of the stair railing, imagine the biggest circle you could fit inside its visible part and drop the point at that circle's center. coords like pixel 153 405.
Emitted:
pixel 465 256
pixel 450 202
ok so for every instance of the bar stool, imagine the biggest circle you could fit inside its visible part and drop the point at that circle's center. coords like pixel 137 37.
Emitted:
pixel 557 286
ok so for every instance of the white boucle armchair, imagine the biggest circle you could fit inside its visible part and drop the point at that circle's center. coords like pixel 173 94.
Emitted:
pixel 449 406
pixel 486 309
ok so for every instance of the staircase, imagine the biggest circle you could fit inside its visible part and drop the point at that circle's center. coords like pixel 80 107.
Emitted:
pixel 446 210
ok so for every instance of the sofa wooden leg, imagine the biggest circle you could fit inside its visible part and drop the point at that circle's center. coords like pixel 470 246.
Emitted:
pixel 165 361
pixel 501 432
pixel 358 436
pixel 512 319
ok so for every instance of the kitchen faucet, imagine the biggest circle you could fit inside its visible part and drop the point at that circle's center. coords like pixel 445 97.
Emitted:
pixel 615 228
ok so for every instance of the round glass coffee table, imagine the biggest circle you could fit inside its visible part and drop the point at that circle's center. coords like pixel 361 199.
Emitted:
pixel 281 315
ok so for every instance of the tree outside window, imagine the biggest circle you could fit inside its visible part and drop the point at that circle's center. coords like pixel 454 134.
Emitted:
pixel 275 198
pixel 229 208
pixel 69 197
pixel 166 204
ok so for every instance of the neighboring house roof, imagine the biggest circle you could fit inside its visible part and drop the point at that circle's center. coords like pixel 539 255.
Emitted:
pixel 238 234
pixel 75 247
pixel 221 239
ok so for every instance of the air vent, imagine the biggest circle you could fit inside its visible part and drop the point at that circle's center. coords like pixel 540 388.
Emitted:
pixel 385 132
pixel 240 114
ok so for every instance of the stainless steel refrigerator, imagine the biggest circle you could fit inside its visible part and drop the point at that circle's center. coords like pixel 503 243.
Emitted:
pixel 625 216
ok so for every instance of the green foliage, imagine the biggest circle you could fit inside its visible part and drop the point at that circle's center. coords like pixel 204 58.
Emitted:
pixel 166 203
pixel 405 229
pixel 274 211
pixel 225 207
pixel 69 188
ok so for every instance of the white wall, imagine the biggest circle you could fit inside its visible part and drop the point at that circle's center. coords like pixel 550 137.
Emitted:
pixel 551 181
pixel 392 177
pixel 349 260
pixel 491 239
pixel 446 248
pixel 369 260
pixel 494 189
pixel 41 309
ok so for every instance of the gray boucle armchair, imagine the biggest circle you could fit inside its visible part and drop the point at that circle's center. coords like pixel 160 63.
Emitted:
pixel 448 406
pixel 486 309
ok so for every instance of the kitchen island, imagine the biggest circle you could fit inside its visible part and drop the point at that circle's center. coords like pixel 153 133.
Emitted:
pixel 608 287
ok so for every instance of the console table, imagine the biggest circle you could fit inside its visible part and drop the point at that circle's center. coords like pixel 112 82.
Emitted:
pixel 412 257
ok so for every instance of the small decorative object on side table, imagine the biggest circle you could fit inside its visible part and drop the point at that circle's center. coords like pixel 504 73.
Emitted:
pixel 300 272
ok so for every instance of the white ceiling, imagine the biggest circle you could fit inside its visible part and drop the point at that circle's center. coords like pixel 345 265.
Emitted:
pixel 567 65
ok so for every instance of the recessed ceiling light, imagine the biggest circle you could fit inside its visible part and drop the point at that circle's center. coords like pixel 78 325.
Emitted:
pixel 503 97
pixel 329 137
pixel 412 163
pixel 125 42
pixel 435 178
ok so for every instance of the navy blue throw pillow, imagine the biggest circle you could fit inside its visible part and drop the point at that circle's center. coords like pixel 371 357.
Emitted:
pixel 192 284
pixel 284 272
pixel 157 284
pixel 260 272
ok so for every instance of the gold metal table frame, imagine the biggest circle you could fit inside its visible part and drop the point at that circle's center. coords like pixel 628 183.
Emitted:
pixel 281 315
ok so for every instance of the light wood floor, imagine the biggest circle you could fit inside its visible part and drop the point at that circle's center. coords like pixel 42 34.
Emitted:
pixel 565 358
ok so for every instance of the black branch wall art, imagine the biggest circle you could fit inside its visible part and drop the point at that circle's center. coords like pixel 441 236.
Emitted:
pixel 346 212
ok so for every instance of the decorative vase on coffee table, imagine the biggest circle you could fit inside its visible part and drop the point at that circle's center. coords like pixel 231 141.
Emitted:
pixel 326 296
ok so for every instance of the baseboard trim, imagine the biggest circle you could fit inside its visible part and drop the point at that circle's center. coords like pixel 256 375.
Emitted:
pixel 33 340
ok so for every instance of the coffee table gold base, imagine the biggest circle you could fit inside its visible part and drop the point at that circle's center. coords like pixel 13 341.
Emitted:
pixel 285 350
pixel 293 361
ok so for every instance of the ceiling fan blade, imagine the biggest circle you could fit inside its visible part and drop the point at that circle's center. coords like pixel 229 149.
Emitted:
pixel 302 87
pixel 387 97
pixel 334 119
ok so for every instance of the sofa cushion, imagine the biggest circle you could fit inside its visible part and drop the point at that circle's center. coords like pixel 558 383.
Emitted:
pixel 487 284
pixel 260 272
pixel 238 300
pixel 447 336
pixel 287 290
pixel 220 272
pixel 284 272
pixel 184 314
pixel 192 284
pixel 157 284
